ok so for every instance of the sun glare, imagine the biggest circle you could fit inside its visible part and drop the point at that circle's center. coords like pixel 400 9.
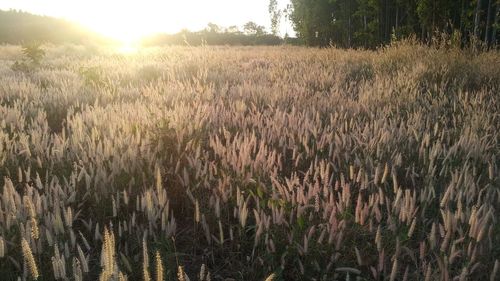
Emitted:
pixel 128 21
pixel 128 24
pixel 128 48
pixel 128 33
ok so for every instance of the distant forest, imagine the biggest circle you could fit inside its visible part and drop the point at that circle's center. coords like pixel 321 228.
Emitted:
pixel 17 27
pixel 371 23
pixel 251 34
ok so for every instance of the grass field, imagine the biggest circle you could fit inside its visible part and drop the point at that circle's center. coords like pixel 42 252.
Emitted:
pixel 249 163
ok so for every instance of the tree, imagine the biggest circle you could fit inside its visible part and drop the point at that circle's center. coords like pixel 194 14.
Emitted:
pixel 233 29
pixel 477 18
pixel 275 15
pixel 17 27
pixel 212 27
pixel 370 23
pixel 316 22
pixel 251 28
pixel 488 21
pixel 496 23
pixel 366 23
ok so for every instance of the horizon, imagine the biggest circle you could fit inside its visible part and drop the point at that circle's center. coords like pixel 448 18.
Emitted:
pixel 151 17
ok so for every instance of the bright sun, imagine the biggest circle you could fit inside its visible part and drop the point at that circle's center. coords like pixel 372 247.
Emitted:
pixel 127 32
pixel 126 22
pixel 128 48
pixel 130 20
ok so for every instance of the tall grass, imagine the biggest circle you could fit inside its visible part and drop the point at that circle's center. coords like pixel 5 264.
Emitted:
pixel 251 163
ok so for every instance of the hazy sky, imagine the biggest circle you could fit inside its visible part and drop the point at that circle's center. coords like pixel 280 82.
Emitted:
pixel 129 19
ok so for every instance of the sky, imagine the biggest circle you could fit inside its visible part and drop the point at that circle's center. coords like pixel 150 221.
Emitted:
pixel 131 19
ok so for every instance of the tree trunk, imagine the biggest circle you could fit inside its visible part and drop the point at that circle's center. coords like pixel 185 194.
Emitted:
pixel 349 33
pixel 488 20
pixel 397 17
pixel 433 16
pixel 349 24
pixel 381 38
pixel 387 28
pixel 477 19
pixel 495 20
pixel 462 11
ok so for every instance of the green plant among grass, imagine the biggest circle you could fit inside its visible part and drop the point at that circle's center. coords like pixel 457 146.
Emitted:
pixel 33 55
pixel 92 76
pixel 33 52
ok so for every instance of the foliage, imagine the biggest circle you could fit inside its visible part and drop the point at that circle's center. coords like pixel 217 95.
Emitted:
pixel 275 15
pixel 21 67
pixel 252 28
pixel 17 27
pixel 253 34
pixel 371 23
pixel 92 76
pixel 33 54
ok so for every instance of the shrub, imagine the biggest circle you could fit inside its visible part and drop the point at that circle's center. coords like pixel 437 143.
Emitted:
pixel 33 55
pixel 33 52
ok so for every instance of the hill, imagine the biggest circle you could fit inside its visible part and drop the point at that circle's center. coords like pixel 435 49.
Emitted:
pixel 17 27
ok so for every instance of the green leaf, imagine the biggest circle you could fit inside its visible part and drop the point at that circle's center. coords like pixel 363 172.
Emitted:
pixel 301 222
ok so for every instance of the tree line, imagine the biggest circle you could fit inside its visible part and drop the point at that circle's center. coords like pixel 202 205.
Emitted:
pixel 251 33
pixel 17 27
pixel 342 23
pixel 371 23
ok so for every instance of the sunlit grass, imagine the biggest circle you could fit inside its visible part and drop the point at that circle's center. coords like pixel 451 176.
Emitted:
pixel 250 163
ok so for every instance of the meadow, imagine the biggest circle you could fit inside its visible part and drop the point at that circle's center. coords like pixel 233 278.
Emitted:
pixel 250 163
